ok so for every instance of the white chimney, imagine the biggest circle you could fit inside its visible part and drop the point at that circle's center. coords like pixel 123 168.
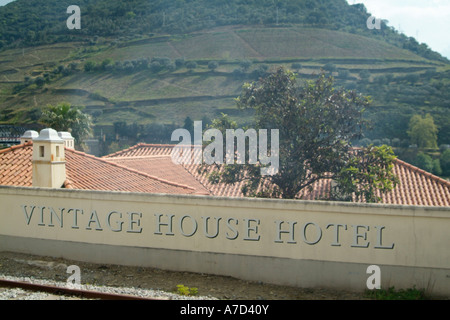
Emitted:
pixel 69 141
pixel 49 163
pixel 28 136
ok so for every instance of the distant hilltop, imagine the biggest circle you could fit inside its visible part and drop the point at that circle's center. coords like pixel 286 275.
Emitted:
pixel 37 22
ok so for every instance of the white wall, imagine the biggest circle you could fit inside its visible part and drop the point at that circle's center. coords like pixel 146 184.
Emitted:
pixel 299 243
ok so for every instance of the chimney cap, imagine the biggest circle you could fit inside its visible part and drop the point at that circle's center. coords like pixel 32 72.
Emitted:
pixel 65 135
pixel 30 134
pixel 49 135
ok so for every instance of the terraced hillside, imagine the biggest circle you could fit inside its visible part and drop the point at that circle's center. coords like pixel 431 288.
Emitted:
pixel 171 94
pixel 128 65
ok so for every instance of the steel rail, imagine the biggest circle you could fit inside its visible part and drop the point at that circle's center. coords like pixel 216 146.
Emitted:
pixel 69 291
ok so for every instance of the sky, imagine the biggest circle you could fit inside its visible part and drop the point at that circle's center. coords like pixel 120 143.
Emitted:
pixel 426 20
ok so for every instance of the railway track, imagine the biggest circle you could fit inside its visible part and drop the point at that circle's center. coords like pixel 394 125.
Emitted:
pixel 67 291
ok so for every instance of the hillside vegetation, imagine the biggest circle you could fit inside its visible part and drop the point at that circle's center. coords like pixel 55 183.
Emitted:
pixel 152 64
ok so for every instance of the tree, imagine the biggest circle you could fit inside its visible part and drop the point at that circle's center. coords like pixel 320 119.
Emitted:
pixel 424 161
pixel 330 67
pixel 364 75
pixel 179 62
pixel 445 163
pixel 297 66
pixel 423 132
pixel 90 66
pixel 437 169
pixel 213 65
pixel 245 65
pixel 316 123
pixel 344 74
pixel 120 129
pixel 368 173
pixel 155 67
pixel 64 117
pixel 191 65
pixel 105 63
pixel 260 72
pixel 39 81
pixel 189 125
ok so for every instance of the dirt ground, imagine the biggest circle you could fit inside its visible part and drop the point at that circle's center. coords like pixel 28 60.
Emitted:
pixel 223 288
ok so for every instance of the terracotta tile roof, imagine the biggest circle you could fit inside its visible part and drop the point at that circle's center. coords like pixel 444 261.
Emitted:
pixel 143 149
pixel 416 186
pixel 164 151
pixel 15 166
pixel 149 168
pixel 85 172
pixel 161 166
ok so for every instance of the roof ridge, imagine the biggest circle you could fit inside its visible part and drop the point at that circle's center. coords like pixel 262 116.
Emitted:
pixel 138 157
pixel 145 145
pixel 122 151
pixel 137 146
pixel 17 146
pixel 130 169
pixel 421 171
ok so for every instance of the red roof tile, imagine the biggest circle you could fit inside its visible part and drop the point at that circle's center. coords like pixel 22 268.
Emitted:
pixel 416 186
pixel 149 168
pixel 86 172
pixel 161 166
pixel 12 157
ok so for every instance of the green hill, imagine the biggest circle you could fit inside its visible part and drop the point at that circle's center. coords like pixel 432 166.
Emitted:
pixel 151 62
pixel 36 22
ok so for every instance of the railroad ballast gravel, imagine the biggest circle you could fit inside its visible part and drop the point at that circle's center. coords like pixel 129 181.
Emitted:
pixel 20 294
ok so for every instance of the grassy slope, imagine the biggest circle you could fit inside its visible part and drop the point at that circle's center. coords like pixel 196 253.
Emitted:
pixel 130 97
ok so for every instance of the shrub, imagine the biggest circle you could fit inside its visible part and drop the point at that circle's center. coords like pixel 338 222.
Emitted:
pixel 364 75
pixel 330 67
pixel 376 142
pixel 245 64
pixel 155 67
pixel 89 66
pixel 296 66
pixel 424 161
pixel 260 72
pixel 365 142
pixel 191 65
pixel 213 65
pixel 344 74
pixel 445 163
pixel 179 63
pixel 128 66
pixel 238 73
pixel 186 291
pixel 437 169
pixel 39 81
pixel 396 142
pixel 106 62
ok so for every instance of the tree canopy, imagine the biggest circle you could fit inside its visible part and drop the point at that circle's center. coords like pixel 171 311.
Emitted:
pixel 316 124
pixel 423 132
pixel 64 117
